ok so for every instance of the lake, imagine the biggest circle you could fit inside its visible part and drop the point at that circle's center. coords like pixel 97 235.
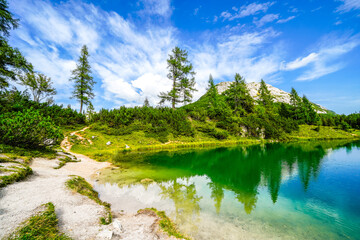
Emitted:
pixel 307 190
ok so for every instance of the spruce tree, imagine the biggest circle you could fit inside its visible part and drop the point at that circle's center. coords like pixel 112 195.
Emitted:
pixel 265 99
pixel 146 102
pixel 295 102
pixel 12 61
pixel 237 95
pixel 182 76
pixel 212 92
pixel 311 117
pixel 83 81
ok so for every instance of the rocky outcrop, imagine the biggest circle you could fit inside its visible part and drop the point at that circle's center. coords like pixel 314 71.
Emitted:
pixel 279 95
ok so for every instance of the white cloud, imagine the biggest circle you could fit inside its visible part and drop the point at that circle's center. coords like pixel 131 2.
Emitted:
pixel 348 5
pixel 286 19
pixel 301 62
pixel 235 54
pixel 326 59
pixel 247 10
pixel 266 19
pixel 157 7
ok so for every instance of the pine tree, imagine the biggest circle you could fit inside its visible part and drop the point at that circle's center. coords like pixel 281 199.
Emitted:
pixel 182 76
pixel 311 117
pixel 146 102
pixel 238 96
pixel 212 92
pixel 266 99
pixel 296 102
pixel 84 83
pixel 12 61
pixel 39 85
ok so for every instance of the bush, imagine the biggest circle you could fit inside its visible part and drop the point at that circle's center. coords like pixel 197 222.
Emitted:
pixel 28 129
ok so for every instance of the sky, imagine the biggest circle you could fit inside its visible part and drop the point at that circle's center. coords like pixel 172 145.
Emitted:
pixel 311 45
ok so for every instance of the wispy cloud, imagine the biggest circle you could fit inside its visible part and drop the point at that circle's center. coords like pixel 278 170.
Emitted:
pixel 266 19
pixel 285 19
pixel 326 59
pixel 246 10
pixel 348 5
pixel 156 7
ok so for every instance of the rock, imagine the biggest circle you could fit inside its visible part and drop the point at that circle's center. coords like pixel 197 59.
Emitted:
pixel 253 87
pixel 49 141
pixel 108 143
pixel 127 146
pixel 146 180
pixel 117 226
pixel 92 137
pixel 105 234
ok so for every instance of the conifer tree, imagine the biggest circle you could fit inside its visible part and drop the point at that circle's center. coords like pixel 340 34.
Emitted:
pixel 12 61
pixel 238 96
pixel 83 81
pixel 266 99
pixel 296 102
pixel 182 76
pixel 212 92
pixel 146 102
pixel 311 117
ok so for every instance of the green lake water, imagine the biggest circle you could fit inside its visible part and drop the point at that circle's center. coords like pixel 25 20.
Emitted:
pixel 275 191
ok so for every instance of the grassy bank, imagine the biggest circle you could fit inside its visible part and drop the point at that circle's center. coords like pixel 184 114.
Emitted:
pixel 12 171
pixel 165 223
pixel 309 132
pixel 41 226
pixel 138 141
pixel 80 185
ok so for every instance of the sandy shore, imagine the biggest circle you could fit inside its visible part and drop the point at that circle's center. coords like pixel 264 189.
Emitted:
pixel 78 215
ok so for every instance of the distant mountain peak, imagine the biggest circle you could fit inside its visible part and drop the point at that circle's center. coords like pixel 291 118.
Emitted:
pixel 278 94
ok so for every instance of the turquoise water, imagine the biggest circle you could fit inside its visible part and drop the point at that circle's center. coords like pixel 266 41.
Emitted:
pixel 274 191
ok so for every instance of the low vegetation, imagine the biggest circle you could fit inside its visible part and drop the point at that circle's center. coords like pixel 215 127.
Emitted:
pixel 80 185
pixel 65 160
pixel 13 171
pixel 165 223
pixel 41 226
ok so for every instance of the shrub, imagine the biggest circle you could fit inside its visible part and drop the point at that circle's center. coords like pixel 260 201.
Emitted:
pixel 28 129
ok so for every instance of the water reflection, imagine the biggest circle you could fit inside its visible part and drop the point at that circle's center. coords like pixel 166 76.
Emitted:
pixel 240 170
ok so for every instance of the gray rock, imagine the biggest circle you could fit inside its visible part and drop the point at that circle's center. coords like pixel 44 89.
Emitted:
pixel 108 143
pixel 92 137
pixel 105 234
pixel 49 141
pixel 254 87
pixel 117 226
pixel 127 146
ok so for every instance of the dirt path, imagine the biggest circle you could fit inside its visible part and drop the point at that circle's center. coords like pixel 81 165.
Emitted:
pixel 78 215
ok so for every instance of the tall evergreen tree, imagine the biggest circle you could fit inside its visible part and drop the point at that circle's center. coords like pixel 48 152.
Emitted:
pixel 182 76
pixel 212 92
pixel 296 103
pixel 12 62
pixel 237 95
pixel 83 81
pixel 265 99
pixel 39 85
pixel 311 117
pixel 146 102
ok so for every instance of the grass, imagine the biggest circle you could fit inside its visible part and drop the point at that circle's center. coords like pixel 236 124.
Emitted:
pixel 165 223
pixel 140 141
pixel 308 132
pixel 40 226
pixel 18 173
pixel 65 160
pixel 81 186
pixel 27 154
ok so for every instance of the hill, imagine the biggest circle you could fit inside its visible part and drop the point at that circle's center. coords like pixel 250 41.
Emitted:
pixel 278 94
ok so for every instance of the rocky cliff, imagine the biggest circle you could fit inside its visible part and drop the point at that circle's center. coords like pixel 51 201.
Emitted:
pixel 279 95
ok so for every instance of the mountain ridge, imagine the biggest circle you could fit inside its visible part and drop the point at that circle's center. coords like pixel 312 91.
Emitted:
pixel 278 94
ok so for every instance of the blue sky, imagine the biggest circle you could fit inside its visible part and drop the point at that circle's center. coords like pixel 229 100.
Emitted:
pixel 310 45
